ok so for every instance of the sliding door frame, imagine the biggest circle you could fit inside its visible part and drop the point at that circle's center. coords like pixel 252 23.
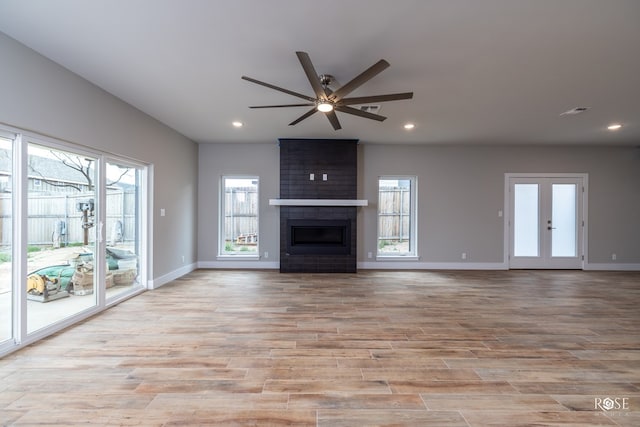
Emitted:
pixel 21 336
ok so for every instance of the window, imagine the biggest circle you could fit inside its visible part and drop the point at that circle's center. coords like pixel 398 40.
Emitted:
pixel 239 216
pixel 397 216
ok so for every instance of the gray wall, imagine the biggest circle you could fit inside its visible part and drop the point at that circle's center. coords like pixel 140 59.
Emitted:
pixel 39 95
pixel 460 191
pixel 216 160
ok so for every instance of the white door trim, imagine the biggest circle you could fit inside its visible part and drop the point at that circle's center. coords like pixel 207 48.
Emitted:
pixel 583 249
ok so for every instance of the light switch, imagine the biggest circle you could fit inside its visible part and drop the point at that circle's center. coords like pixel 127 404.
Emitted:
pixel 311 177
pixel 324 176
pixel 162 212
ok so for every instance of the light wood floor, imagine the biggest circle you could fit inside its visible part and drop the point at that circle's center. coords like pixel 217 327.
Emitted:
pixel 374 348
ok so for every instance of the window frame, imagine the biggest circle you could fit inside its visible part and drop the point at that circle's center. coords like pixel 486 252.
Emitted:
pixel 236 255
pixel 412 253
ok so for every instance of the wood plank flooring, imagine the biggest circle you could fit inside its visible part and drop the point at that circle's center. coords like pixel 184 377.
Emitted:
pixel 377 348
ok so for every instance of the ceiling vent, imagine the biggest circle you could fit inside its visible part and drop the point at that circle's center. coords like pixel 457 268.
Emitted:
pixel 574 111
pixel 374 109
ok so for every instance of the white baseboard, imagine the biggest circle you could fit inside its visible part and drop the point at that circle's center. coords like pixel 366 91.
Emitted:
pixel 387 265
pixel 175 274
pixel 410 265
pixel 240 264
pixel 611 267
pixel 384 265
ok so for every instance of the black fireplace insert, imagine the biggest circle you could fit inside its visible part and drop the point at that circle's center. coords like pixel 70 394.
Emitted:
pixel 318 237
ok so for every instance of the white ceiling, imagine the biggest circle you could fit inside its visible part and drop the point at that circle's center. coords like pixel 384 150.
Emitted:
pixel 482 71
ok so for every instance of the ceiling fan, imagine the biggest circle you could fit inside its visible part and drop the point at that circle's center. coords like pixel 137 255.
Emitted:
pixel 328 101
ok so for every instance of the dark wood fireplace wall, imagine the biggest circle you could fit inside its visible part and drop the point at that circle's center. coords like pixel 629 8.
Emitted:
pixel 333 164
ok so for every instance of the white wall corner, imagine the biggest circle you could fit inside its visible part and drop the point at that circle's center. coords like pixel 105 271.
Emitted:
pixel 175 274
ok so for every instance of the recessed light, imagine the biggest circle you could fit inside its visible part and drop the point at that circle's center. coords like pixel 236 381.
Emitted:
pixel 237 124
pixel 409 126
pixel 614 126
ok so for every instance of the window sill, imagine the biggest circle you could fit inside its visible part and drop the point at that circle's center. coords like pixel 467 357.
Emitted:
pixel 238 257
pixel 397 258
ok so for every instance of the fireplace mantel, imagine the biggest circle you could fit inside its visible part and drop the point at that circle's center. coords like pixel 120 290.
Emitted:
pixel 318 202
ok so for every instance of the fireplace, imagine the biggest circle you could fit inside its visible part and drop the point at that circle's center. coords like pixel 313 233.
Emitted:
pixel 318 237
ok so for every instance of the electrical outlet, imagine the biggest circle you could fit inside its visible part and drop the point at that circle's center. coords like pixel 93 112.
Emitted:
pixel 614 257
pixel 312 177
pixel 183 259
pixel 266 254
pixel 464 255
pixel 370 255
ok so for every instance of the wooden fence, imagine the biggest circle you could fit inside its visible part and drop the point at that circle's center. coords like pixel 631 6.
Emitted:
pixel 46 213
pixel 241 215
pixel 394 211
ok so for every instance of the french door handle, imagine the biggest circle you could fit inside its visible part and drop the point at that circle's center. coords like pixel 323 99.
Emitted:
pixel 551 228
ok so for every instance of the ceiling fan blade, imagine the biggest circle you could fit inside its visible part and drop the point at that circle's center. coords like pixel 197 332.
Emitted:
pixel 356 112
pixel 270 86
pixel 333 119
pixel 363 77
pixel 307 104
pixel 376 98
pixel 310 71
pixel 304 116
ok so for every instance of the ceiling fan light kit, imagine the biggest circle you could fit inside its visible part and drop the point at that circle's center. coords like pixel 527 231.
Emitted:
pixel 325 107
pixel 328 101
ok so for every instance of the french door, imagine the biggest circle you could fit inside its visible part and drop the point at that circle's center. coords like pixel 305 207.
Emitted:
pixel 546 223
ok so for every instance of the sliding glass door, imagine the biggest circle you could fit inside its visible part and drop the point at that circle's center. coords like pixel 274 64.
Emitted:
pixel 61 234
pixel 73 234
pixel 123 227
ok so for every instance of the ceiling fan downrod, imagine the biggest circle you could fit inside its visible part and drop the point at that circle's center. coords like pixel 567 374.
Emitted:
pixel 326 80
